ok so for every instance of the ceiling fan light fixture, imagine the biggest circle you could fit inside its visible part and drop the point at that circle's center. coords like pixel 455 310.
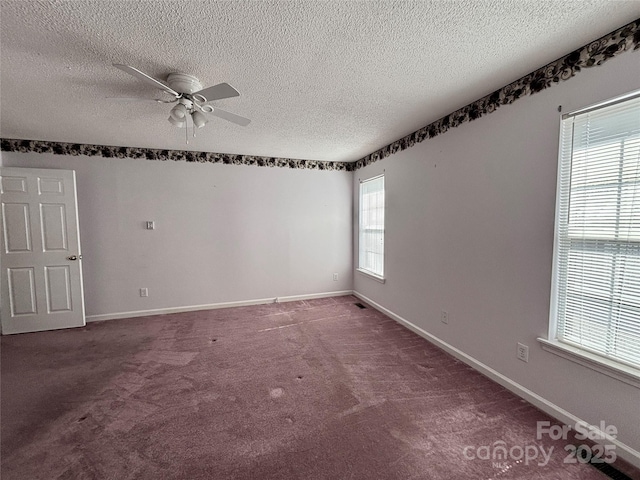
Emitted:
pixel 178 122
pixel 199 120
pixel 179 112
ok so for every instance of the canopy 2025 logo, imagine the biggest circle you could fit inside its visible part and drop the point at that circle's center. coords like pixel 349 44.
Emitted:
pixel 584 453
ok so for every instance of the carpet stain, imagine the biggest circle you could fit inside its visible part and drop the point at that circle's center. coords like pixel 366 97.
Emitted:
pixel 424 368
pixel 276 392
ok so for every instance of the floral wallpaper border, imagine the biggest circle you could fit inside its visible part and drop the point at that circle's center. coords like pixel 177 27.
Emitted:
pixel 595 53
pixel 591 55
pixel 60 148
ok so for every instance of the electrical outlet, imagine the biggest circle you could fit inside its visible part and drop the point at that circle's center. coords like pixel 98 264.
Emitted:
pixel 144 292
pixel 335 277
pixel 151 225
pixel 523 352
pixel 444 316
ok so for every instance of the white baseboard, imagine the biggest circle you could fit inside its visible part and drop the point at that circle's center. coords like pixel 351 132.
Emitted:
pixel 295 298
pixel 622 450
pixel 213 306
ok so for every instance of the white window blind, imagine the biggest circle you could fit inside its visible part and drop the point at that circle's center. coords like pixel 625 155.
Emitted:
pixel 596 300
pixel 371 237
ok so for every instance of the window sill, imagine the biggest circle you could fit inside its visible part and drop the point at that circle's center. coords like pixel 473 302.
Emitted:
pixel 377 278
pixel 619 371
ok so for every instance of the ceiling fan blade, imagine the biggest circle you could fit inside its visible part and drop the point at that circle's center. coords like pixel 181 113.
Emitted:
pixel 146 78
pixel 218 92
pixel 231 117
pixel 134 99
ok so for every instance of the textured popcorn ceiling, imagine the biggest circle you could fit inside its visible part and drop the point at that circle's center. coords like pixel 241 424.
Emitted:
pixel 320 80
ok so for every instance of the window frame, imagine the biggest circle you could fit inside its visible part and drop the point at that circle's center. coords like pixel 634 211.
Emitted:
pixel 620 370
pixel 361 269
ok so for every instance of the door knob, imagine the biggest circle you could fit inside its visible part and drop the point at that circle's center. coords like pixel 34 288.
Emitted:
pixel 74 257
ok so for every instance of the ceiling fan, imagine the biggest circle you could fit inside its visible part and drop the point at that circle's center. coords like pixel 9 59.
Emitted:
pixel 191 99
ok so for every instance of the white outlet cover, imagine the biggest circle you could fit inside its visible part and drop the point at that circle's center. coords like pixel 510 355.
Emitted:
pixel 523 352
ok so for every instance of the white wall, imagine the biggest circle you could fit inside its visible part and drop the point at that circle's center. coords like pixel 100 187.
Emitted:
pixel 470 219
pixel 224 233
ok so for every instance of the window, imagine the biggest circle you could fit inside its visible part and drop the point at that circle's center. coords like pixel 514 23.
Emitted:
pixel 596 285
pixel 371 227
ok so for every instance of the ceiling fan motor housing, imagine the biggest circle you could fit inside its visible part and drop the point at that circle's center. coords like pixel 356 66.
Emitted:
pixel 183 83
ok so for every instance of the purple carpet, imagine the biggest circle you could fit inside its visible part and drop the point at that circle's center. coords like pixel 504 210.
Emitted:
pixel 317 389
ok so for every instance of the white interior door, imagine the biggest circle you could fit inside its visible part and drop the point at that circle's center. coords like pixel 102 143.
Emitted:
pixel 41 262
